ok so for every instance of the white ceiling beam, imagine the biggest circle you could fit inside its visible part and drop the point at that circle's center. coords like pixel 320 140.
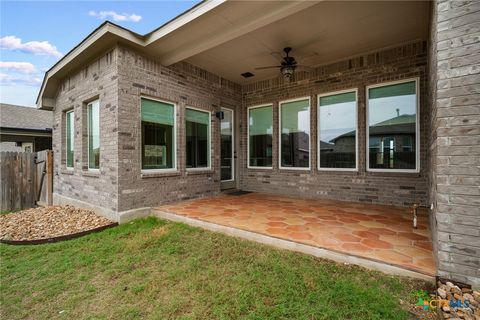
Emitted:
pixel 281 10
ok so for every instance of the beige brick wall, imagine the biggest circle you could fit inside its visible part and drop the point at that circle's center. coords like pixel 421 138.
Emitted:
pixel 456 138
pixel 123 77
pixel 184 85
pixel 401 189
pixel 96 80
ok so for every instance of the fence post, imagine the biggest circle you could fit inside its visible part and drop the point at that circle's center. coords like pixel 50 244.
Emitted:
pixel 49 177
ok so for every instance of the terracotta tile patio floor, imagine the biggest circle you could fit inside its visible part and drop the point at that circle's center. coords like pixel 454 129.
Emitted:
pixel 376 232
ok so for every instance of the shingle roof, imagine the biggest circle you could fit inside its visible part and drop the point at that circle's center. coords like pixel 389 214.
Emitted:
pixel 404 124
pixel 12 116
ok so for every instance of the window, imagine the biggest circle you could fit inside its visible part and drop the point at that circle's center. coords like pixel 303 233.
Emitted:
pixel 337 131
pixel 197 138
pixel 393 140
pixel 158 135
pixel 295 134
pixel 94 134
pixel 227 146
pixel 260 132
pixel 70 141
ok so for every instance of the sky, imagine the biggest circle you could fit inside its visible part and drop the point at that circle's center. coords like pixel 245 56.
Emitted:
pixel 34 35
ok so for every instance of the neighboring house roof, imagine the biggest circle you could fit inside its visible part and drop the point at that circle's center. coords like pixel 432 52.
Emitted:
pixel 326 146
pixel 402 119
pixel 403 124
pixel 25 118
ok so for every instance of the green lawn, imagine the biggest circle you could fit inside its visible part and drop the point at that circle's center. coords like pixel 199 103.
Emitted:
pixel 154 269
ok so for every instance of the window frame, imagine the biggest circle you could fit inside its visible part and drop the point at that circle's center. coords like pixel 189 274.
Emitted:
pixel 209 167
pixel 88 135
pixel 319 168
pixel 233 165
pixel 174 147
pixel 72 111
pixel 309 168
pixel 417 126
pixel 248 136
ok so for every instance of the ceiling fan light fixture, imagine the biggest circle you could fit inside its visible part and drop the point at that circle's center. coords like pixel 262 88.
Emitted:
pixel 287 71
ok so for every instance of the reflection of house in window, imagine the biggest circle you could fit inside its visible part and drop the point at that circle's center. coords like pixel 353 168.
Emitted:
pixel 392 143
pixel 338 152
pixel 261 150
pixel 295 149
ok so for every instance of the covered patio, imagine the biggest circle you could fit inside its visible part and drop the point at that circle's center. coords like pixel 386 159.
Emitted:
pixel 381 234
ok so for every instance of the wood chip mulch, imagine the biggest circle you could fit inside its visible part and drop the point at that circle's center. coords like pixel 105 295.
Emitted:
pixel 48 222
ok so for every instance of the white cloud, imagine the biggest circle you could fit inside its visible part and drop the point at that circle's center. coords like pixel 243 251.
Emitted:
pixel 105 15
pixel 43 48
pixel 13 80
pixel 22 67
pixel 19 73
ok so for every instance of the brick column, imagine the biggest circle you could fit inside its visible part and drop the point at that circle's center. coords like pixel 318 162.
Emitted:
pixel 455 138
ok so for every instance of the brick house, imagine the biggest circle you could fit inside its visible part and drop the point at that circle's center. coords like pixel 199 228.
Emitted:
pixel 183 112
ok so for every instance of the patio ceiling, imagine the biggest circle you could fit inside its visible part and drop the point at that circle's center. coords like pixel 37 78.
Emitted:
pixel 320 34
pixel 232 37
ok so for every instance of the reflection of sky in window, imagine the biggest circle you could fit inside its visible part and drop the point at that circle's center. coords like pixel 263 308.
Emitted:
pixel 304 121
pixel 382 109
pixel 95 121
pixel 337 119
pixel 226 123
pixel 71 128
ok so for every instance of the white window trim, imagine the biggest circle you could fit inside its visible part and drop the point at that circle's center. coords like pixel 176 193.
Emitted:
pixel 66 139
pixel 356 130
pixel 168 170
pixel 280 134
pixel 209 167
pixel 233 146
pixel 248 136
pixel 417 127
pixel 88 135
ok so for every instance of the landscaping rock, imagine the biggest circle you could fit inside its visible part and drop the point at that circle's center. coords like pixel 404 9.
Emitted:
pixel 442 293
pixel 456 290
pixel 48 222
pixel 468 297
pixel 457 307
pixel 476 295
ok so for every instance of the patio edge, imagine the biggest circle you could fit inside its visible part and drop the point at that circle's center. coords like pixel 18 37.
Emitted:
pixel 294 246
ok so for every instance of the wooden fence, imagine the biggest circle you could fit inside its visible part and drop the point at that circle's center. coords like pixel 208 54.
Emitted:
pixel 26 179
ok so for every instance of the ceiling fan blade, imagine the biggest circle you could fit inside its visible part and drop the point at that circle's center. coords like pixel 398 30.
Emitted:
pixel 277 55
pixel 269 67
pixel 306 68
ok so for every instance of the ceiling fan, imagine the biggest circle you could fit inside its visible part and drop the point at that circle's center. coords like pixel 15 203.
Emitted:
pixel 287 66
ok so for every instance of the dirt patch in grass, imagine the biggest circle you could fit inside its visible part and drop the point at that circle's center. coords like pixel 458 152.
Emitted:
pixel 48 222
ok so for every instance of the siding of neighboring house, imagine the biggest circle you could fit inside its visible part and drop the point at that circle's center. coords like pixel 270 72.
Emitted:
pixel 455 141
pixel 402 189
pixel 24 127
